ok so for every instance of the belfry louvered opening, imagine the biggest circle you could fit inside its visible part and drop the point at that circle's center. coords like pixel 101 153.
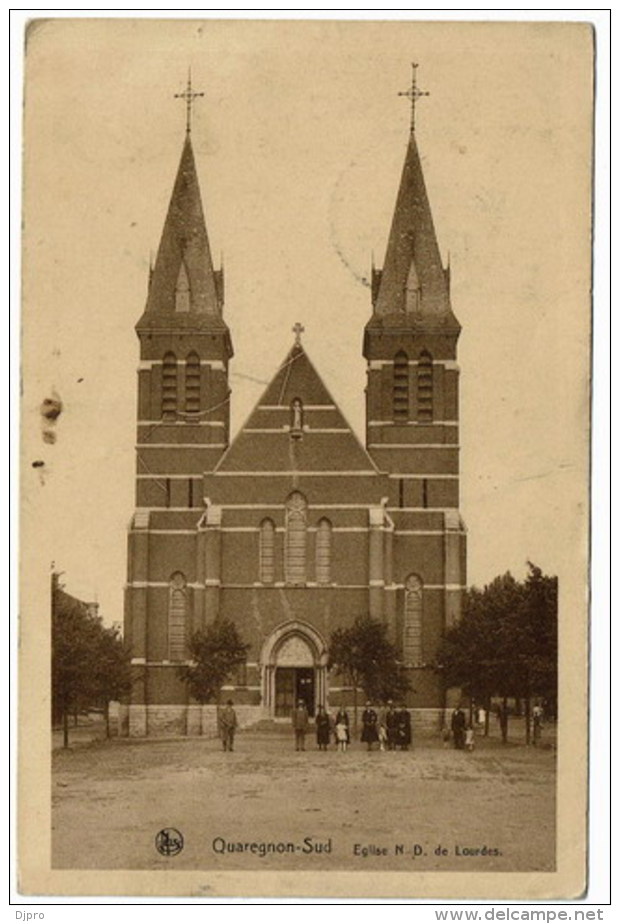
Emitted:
pixel 425 386
pixel 400 392
pixel 169 386
pixel 192 383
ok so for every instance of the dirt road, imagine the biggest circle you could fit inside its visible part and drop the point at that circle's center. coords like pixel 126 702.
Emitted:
pixel 266 806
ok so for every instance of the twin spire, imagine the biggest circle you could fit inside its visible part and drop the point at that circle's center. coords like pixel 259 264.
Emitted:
pixel 413 284
pixel 413 287
pixel 184 280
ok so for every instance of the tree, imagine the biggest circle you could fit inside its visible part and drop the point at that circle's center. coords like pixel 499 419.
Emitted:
pixel 89 661
pixel 506 642
pixel 215 651
pixel 75 637
pixel 364 656
pixel 478 653
pixel 536 633
pixel 112 670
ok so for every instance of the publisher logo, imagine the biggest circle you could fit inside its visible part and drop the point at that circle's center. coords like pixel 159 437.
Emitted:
pixel 169 842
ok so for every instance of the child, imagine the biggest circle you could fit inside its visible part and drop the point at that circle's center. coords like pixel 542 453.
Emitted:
pixel 382 736
pixel 469 737
pixel 342 735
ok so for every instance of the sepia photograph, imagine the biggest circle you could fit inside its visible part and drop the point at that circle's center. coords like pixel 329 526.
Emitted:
pixel 305 458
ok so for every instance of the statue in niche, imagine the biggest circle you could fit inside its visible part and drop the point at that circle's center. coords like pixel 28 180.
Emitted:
pixel 297 418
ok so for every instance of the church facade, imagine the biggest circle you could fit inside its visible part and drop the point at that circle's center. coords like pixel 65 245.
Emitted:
pixel 293 528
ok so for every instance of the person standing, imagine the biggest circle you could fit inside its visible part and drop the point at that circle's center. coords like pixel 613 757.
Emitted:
pixel 537 716
pixel 391 725
pixel 342 718
pixel 404 728
pixel 370 733
pixel 469 737
pixel 502 715
pixel 458 723
pixel 322 722
pixel 300 725
pixel 342 735
pixel 228 724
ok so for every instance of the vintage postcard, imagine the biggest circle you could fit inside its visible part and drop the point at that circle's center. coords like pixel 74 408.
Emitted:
pixel 306 353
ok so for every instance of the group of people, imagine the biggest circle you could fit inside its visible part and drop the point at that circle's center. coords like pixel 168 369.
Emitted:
pixel 462 730
pixel 390 728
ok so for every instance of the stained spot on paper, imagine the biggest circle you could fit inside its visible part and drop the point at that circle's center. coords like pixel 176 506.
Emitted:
pixel 51 408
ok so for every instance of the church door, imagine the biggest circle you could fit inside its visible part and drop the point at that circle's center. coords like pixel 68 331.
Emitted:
pixel 285 691
pixel 293 684
pixel 304 680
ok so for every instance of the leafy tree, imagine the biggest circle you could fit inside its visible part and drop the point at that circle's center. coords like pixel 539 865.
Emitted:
pixel 535 629
pixel 112 670
pixel 476 654
pixel 506 642
pixel 89 661
pixel 215 651
pixel 541 610
pixel 75 638
pixel 364 656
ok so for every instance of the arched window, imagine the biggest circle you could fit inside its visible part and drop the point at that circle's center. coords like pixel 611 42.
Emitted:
pixel 412 624
pixel 323 552
pixel 425 386
pixel 169 386
pixel 192 383
pixel 266 552
pixel 177 617
pixel 400 386
pixel 182 292
pixel 295 542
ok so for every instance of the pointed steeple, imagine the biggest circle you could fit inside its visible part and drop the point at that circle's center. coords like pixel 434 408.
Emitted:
pixel 413 284
pixel 183 280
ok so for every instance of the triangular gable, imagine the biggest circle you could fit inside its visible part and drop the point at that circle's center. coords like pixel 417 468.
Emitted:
pixel 274 440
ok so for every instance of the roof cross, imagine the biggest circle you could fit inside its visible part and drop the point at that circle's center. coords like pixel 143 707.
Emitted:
pixel 298 330
pixel 413 94
pixel 189 96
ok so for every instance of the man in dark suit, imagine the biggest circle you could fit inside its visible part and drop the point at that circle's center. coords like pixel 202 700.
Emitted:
pixel 458 724
pixel 404 728
pixel 300 725
pixel 228 725
pixel 391 725
pixel 370 732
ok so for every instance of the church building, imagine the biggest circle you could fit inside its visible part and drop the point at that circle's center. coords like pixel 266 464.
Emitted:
pixel 292 528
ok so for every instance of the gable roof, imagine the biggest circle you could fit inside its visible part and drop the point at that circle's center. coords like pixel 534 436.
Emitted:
pixel 326 442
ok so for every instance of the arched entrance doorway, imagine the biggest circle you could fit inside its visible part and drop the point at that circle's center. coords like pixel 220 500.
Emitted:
pixel 294 667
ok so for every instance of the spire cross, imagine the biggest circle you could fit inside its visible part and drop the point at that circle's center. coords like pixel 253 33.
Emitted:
pixel 189 96
pixel 413 94
pixel 298 330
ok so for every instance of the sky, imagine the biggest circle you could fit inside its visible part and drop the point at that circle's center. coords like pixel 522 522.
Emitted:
pixel 299 144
